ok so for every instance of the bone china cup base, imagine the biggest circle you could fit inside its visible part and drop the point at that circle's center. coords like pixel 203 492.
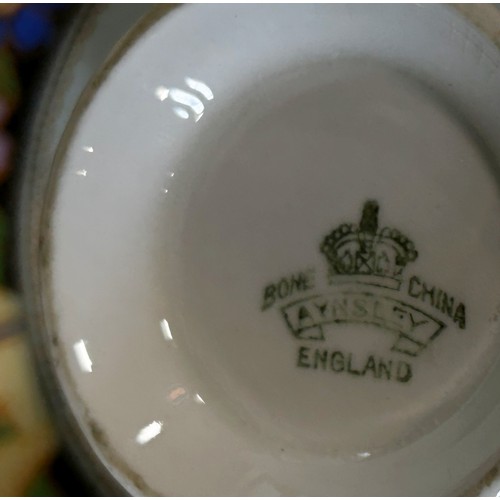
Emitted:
pixel 269 258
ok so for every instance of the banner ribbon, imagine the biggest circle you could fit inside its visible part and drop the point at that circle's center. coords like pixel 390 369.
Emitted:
pixel 414 328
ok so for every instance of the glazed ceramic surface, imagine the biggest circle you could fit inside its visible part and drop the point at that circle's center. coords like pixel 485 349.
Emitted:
pixel 270 252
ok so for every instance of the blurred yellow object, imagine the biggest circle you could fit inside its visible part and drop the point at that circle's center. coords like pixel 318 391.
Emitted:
pixel 7 9
pixel 27 442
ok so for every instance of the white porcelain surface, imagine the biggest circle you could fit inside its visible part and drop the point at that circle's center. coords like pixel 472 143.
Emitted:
pixel 221 149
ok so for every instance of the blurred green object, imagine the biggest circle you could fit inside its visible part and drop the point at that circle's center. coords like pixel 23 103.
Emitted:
pixel 7 431
pixel 10 88
pixel 42 486
pixel 4 228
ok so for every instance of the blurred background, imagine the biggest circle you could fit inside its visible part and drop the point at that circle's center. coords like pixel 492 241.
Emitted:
pixel 32 461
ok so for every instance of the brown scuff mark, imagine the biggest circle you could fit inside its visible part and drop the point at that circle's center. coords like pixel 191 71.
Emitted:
pixel 475 491
pixel 101 439
pixel 485 16
pixel 496 315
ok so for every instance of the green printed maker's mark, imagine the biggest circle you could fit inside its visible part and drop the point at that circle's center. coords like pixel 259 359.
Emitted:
pixel 364 285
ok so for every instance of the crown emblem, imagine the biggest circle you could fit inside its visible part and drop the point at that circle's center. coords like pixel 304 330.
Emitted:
pixel 366 254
